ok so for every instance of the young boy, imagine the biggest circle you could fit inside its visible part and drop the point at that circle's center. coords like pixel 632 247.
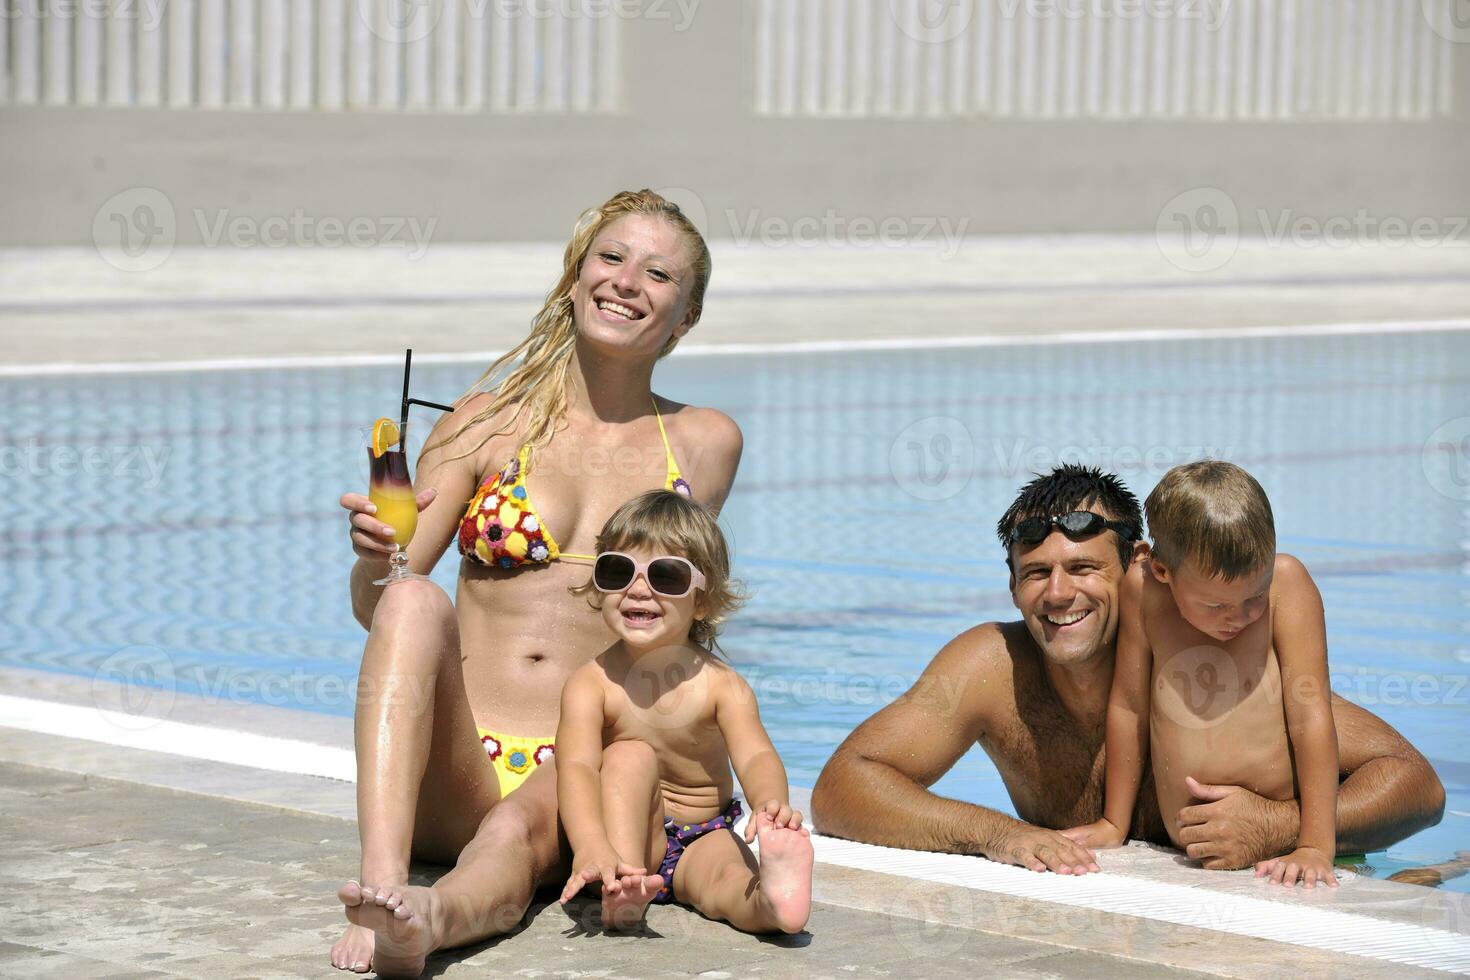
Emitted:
pixel 650 729
pixel 1221 670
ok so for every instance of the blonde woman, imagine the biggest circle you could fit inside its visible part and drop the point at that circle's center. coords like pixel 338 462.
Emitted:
pixel 457 704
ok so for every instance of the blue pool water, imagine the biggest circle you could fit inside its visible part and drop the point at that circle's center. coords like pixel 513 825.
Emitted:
pixel 191 519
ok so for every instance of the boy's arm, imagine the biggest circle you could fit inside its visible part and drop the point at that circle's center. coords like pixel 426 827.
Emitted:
pixel 1299 632
pixel 759 769
pixel 579 783
pixel 1129 703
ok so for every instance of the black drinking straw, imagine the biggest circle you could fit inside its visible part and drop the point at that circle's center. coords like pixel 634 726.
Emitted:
pixel 403 407
pixel 407 401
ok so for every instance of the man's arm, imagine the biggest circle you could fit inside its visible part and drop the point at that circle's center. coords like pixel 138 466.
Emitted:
pixel 875 787
pixel 1388 792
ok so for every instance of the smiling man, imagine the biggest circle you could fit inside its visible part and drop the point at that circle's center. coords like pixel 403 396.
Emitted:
pixel 1034 695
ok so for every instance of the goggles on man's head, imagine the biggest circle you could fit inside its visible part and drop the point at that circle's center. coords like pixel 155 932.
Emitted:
pixel 1077 524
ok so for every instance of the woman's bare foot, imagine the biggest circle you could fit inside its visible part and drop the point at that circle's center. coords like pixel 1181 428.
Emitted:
pixel 786 873
pixel 401 919
pixel 354 951
pixel 624 910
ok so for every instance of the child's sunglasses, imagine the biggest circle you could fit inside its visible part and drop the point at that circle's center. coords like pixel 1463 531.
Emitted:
pixel 1077 524
pixel 669 576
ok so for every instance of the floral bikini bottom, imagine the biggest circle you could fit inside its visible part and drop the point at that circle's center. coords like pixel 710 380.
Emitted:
pixel 515 758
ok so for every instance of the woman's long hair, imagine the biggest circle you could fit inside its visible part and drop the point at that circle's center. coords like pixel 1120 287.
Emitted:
pixel 537 385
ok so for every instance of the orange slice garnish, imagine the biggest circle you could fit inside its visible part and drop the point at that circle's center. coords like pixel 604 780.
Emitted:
pixel 385 435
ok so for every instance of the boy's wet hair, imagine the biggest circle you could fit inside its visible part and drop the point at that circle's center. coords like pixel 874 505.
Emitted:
pixel 1070 487
pixel 1213 514
pixel 669 522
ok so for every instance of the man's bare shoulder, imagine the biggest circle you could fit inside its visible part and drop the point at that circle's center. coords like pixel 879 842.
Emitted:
pixel 981 663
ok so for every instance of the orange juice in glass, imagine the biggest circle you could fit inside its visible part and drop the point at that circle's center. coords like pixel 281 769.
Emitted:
pixel 390 488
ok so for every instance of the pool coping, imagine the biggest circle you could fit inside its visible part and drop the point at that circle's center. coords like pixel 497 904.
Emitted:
pixel 1165 912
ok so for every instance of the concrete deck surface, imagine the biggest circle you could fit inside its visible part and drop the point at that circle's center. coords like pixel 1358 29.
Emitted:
pixel 122 862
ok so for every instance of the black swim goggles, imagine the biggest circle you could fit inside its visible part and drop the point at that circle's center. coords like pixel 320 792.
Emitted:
pixel 669 576
pixel 1077 524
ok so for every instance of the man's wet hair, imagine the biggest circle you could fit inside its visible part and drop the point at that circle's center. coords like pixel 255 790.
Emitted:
pixel 1072 487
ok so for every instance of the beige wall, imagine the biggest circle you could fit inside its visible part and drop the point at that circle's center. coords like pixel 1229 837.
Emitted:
pixel 687 122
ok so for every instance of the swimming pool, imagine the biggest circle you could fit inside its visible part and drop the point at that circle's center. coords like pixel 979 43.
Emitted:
pixel 189 522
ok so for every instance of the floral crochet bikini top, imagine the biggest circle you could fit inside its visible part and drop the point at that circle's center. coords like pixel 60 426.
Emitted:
pixel 501 528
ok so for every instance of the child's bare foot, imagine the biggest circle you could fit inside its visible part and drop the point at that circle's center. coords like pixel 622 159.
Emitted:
pixel 400 918
pixel 354 951
pixel 624 910
pixel 786 873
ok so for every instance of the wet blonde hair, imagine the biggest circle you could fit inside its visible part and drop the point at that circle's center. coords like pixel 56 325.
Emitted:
pixel 665 521
pixel 537 386
pixel 1214 514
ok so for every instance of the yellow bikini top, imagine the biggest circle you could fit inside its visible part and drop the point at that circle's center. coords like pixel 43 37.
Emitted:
pixel 501 527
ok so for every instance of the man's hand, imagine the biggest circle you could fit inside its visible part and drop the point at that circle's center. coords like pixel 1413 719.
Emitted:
pixel 1041 850
pixel 1235 828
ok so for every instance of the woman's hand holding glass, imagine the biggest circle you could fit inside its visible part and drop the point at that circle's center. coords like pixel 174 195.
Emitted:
pixel 373 539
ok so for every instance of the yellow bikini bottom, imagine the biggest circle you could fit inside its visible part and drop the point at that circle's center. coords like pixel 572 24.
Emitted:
pixel 514 757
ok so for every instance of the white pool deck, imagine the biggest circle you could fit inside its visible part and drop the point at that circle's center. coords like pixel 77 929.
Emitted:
pixel 281 775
